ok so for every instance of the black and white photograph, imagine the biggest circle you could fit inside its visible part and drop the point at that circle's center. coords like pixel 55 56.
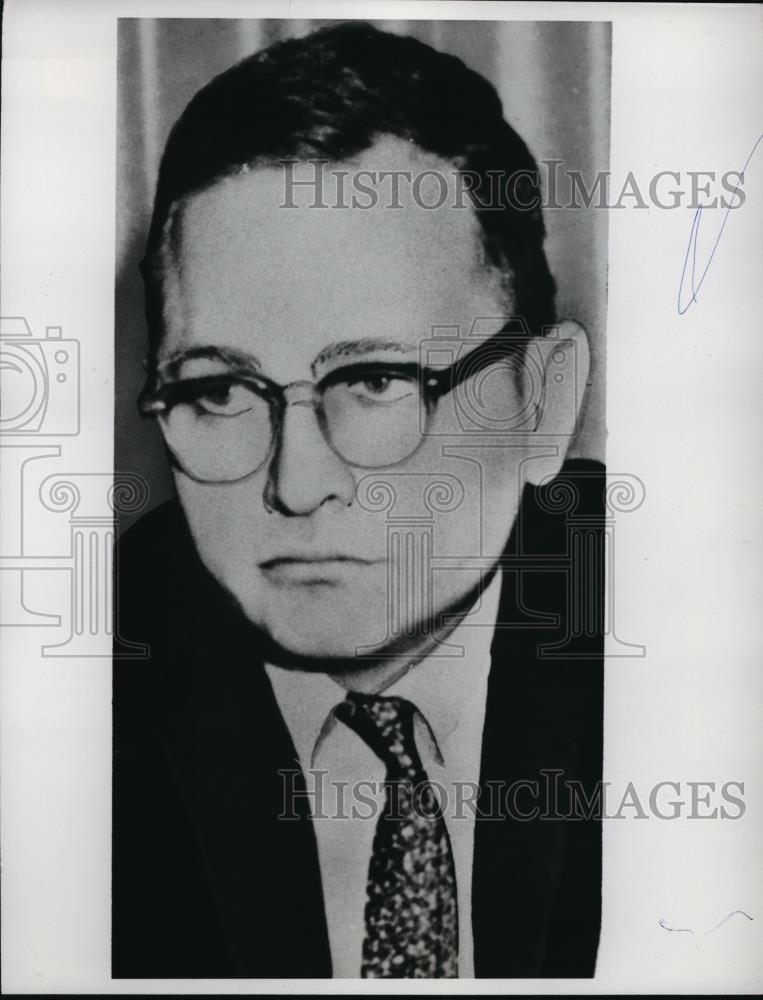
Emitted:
pixel 374 612
pixel 379 518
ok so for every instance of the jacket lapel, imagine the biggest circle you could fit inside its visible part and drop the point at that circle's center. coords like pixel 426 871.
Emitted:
pixel 227 748
pixel 536 893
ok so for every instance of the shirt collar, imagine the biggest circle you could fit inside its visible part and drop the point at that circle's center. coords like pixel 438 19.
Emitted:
pixel 441 685
pixel 307 701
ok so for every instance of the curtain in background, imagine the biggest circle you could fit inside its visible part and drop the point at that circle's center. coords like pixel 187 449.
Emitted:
pixel 553 79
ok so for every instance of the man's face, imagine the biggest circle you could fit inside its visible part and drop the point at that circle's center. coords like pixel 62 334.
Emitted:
pixel 346 559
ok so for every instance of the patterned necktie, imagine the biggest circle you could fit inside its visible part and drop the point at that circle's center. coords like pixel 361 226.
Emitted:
pixel 411 909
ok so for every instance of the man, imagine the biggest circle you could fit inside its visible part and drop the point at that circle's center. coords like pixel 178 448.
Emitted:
pixel 365 671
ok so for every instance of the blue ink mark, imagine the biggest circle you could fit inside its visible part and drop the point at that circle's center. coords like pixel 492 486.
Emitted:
pixel 691 250
pixel 674 930
pixel 687 930
pixel 728 916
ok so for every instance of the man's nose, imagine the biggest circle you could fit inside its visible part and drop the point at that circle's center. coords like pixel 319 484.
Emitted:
pixel 305 473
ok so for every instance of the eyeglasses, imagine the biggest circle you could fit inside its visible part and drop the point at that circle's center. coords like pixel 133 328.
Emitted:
pixel 222 428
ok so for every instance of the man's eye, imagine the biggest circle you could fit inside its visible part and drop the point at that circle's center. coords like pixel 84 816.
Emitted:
pixel 227 399
pixel 382 387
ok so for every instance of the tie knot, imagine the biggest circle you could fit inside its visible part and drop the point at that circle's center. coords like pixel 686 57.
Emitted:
pixel 386 725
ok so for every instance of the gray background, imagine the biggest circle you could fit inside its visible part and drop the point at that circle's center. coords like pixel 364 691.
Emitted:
pixel 553 79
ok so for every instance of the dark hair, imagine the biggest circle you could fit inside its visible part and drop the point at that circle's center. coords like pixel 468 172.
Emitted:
pixel 330 95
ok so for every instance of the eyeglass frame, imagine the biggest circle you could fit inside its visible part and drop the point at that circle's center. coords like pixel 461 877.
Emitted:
pixel 434 383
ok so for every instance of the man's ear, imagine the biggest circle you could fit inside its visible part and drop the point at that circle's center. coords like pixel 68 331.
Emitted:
pixel 556 371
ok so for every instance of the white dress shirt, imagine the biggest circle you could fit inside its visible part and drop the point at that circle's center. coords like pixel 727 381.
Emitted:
pixel 346 778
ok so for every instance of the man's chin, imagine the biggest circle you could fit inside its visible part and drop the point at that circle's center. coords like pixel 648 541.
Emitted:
pixel 310 644
pixel 334 637
pixel 317 621
pixel 349 632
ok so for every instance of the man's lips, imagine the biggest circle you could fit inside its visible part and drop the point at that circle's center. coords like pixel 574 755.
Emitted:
pixel 313 568
pixel 312 559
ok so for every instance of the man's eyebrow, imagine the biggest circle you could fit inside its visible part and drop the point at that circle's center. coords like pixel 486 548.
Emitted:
pixel 357 348
pixel 229 356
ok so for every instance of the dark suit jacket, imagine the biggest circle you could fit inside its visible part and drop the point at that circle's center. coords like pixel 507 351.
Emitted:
pixel 207 882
